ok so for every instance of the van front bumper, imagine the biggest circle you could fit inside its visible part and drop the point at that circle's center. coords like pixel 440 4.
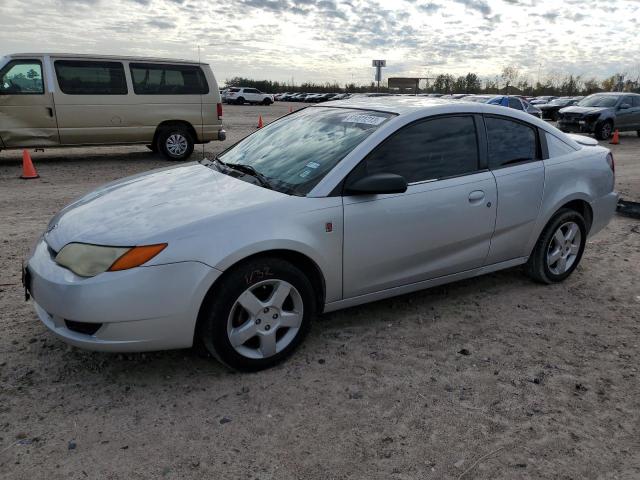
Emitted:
pixel 141 309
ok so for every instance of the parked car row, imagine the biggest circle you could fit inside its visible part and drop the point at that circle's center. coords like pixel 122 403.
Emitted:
pixel 310 97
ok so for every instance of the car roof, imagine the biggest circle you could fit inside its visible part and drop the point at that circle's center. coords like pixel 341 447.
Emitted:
pixel 82 56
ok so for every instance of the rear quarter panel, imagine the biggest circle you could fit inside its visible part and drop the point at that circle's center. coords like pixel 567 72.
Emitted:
pixel 582 175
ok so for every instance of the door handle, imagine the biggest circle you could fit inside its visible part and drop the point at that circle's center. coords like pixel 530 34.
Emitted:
pixel 50 110
pixel 476 196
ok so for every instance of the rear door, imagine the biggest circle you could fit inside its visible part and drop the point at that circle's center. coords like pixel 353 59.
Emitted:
pixel 27 111
pixel 514 157
pixel 441 225
pixel 93 102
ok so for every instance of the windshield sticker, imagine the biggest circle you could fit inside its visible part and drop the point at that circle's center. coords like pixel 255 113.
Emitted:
pixel 364 119
pixel 312 165
pixel 305 173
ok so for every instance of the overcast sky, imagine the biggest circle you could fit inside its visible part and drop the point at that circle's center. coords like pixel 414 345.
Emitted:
pixel 331 40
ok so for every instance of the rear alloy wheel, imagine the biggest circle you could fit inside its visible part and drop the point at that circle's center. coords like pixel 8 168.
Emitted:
pixel 240 101
pixel 559 248
pixel 258 314
pixel 175 143
pixel 603 130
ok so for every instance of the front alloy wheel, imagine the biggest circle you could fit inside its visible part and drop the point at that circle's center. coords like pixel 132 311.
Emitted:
pixel 265 318
pixel 257 314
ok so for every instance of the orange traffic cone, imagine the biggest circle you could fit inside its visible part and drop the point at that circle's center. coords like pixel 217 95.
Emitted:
pixel 260 123
pixel 616 138
pixel 28 170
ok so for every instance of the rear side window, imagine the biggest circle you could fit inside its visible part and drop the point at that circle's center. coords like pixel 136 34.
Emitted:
pixel 510 142
pixel 159 79
pixel 234 90
pixel 557 147
pixel 428 150
pixel 515 103
pixel 80 77
pixel 22 77
pixel 636 101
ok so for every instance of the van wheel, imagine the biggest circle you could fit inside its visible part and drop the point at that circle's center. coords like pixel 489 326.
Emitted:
pixel 175 143
pixel 260 313
pixel 559 248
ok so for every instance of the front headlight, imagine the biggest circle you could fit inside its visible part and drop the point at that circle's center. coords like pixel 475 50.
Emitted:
pixel 89 260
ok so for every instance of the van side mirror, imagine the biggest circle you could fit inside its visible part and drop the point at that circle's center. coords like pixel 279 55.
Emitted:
pixel 378 183
pixel 624 106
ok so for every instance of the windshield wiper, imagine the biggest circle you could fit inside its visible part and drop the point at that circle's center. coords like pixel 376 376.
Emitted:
pixel 248 170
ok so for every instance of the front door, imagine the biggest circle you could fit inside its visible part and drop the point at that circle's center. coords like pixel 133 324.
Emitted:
pixel 441 225
pixel 625 117
pixel 27 112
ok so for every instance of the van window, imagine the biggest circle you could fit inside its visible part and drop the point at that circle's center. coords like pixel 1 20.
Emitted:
pixel 22 77
pixel 81 77
pixel 160 79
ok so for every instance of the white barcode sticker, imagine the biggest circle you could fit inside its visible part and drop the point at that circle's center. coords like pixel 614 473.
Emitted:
pixel 364 119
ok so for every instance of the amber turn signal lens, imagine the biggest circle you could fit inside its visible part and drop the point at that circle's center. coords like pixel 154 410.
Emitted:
pixel 136 257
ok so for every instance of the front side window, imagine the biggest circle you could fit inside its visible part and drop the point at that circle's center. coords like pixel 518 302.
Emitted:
pixel 636 101
pixel 81 77
pixel 297 151
pixel 161 79
pixel 22 77
pixel 510 142
pixel 428 150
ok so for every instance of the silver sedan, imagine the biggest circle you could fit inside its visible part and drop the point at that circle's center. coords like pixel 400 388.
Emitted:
pixel 329 207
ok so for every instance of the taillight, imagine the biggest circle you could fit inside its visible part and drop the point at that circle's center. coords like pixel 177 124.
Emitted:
pixel 219 108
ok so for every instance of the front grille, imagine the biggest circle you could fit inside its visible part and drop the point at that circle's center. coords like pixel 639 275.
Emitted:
pixel 83 327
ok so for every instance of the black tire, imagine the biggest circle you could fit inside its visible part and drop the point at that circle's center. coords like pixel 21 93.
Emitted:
pixel 240 101
pixel 153 148
pixel 603 130
pixel 266 101
pixel 168 136
pixel 638 132
pixel 537 267
pixel 216 312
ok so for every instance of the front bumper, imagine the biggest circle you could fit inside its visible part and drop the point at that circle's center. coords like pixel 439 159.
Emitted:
pixel 141 309
pixel 576 126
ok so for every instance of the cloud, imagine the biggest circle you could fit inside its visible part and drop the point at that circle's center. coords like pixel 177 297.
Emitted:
pixel 429 7
pixel 480 6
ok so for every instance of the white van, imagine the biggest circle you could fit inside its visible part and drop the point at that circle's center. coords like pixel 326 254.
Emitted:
pixel 55 100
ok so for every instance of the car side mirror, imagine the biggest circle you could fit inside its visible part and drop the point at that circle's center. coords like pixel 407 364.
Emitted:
pixel 624 106
pixel 378 183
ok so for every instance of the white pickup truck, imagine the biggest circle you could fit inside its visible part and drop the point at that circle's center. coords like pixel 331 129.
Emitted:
pixel 241 95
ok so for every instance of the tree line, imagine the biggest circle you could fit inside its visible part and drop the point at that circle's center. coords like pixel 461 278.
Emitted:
pixel 510 81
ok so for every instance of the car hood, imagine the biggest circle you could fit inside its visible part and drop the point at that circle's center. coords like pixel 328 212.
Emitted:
pixel 549 106
pixel 139 209
pixel 583 110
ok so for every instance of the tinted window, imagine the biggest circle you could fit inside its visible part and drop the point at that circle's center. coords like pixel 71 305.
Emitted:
pixel 636 101
pixel 431 149
pixel 91 78
pixel 510 142
pixel 159 79
pixel 515 103
pixel 598 100
pixel 557 147
pixel 22 77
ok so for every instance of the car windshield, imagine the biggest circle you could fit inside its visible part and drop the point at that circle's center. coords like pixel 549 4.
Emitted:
pixel 297 151
pixel 599 101
pixel 559 101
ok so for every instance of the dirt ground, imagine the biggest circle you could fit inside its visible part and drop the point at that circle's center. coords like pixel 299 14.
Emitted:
pixel 547 385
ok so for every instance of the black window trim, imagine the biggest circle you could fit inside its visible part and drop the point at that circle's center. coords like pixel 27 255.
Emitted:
pixel 539 150
pixel 83 61
pixel 26 61
pixel 203 77
pixel 481 164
